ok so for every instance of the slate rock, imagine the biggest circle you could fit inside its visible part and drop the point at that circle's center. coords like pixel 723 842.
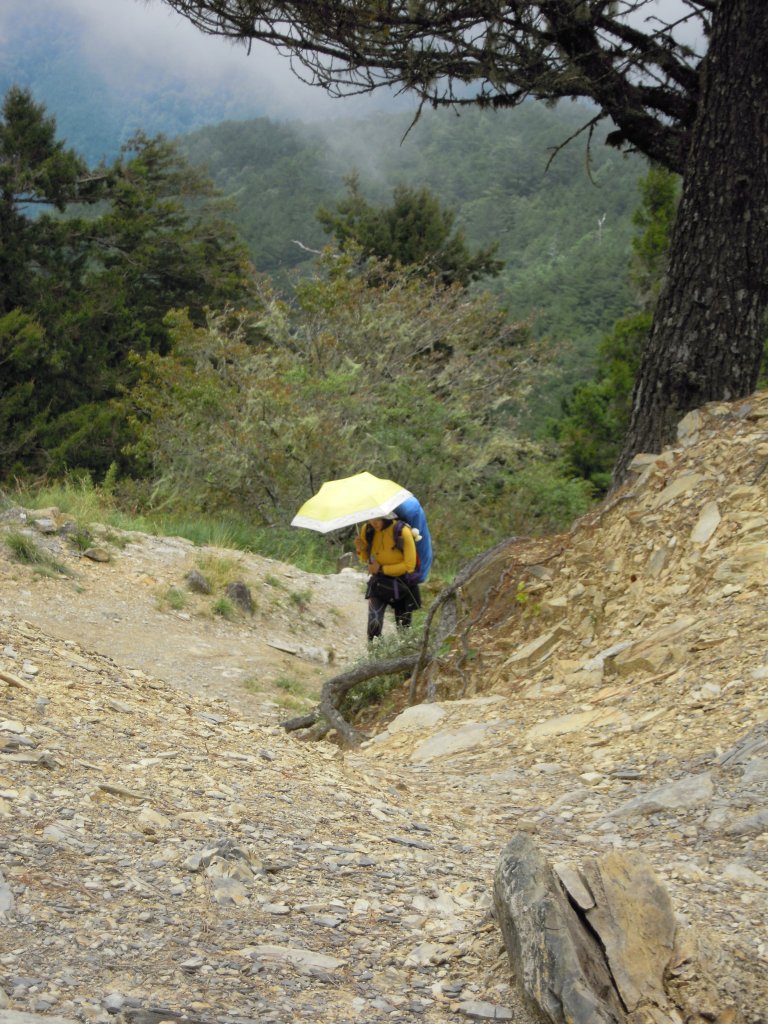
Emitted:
pixel 557 963
pixel 197 582
pixel 633 917
pixel 241 595
pixel 477 1009
pixel 420 716
pixel 7 901
pixel 348 560
pixel 452 741
pixel 97 554
pixel 303 960
pixel 691 791
pixel 751 744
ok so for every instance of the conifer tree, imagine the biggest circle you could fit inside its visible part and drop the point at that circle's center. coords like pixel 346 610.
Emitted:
pixel 82 290
pixel 415 231
pixel 35 170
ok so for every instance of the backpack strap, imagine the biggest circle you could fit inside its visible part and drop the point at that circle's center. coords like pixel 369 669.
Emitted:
pixel 397 533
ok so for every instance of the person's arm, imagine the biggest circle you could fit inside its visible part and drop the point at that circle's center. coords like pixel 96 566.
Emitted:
pixel 361 545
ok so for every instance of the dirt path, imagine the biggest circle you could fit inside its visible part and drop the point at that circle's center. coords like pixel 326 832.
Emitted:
pixel 607 718
pixel 302 623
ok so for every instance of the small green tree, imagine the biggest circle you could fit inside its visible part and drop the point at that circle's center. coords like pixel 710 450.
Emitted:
pixel 596 414
pixel 86 286
pixel 415 231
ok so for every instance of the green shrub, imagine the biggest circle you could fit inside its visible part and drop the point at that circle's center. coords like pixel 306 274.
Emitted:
pixel 81 539
pixel 175 599
pixel 225 608
pixel 291 703
pixel 374 693
pixel 300 598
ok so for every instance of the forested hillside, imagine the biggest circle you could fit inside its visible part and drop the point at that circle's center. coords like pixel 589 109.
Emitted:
pixel 140 348
pixel 563 225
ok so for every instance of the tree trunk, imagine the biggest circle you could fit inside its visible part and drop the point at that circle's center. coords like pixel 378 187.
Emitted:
pixel 708 332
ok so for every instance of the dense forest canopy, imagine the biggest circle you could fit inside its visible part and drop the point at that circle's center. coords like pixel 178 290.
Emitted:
pixel 563 225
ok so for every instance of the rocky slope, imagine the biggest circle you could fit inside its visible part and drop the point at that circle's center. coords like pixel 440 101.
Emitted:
pixel 166 850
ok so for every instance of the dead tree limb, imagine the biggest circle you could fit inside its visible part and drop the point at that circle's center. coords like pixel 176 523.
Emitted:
pixel 445 595
pixel 301 722
pixel 335 689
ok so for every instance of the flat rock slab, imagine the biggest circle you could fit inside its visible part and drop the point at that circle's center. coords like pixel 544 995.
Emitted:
pixel 634 918
pixel 420 716
pixel 453 741
pixel 691 791
pixel 304 959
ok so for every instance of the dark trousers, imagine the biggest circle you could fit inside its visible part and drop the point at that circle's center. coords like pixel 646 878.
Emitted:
pixel 376 607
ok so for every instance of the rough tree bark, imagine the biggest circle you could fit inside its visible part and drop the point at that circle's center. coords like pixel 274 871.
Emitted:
pixel 708 332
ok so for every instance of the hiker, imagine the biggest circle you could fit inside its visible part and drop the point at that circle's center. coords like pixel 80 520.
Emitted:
pixel 388 547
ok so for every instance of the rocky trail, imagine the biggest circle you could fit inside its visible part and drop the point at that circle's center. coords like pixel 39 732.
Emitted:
pixel 167 852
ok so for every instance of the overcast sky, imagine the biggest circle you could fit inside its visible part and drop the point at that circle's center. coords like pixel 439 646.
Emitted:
pixel 129 41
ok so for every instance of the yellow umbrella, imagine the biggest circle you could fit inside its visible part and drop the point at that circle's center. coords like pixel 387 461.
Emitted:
pixel 353 499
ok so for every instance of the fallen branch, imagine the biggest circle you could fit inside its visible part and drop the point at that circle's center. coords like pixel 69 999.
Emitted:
pixel 334 690
pixel 442 598
pixel 301 722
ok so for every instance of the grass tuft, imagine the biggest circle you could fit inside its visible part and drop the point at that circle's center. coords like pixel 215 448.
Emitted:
pixel 219 570
pixel 81 539
pixel 300 599
pixel 24 549
pixel 225 608
pixel 291 686
pixel 173 598
pixel 89 503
